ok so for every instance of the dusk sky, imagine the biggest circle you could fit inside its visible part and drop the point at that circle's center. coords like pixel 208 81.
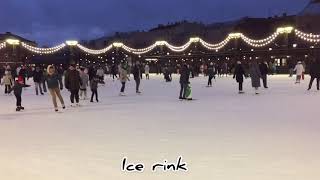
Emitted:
pixel 53 21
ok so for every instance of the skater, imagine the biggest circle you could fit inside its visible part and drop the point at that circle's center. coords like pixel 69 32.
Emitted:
pixel 239 73
pixel 60 72
pixel 94 88
pixel 7 82
pixel 255 75
pixel 211 74
pixel 37 79
pixel 17 91
pixel 73 83
pixel 314 73
pixel 264 73
pixel 114 71
pixel 299 69
pixel 44 80
pixel 123 77
pixel 136 71
pixel 147 71
pixel 100 74
pixel 184 81
pixel 53 86
pixel 84 83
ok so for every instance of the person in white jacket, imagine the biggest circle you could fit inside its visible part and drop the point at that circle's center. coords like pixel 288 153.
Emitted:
pixel 299 69
pixel 147 71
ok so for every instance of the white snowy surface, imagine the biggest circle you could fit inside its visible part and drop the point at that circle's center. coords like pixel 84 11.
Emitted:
pixel 221 135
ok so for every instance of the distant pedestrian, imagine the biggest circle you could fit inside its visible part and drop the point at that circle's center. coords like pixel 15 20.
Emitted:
pixel 38 78
pixel 136 71
pixel 255 76
pixel 211 74
pixel 314 73
pixel 84 83
pixel 147 71
pixel 299 69
pixel 123 77
pixel 184 81
pixel 264 73
pixel 239 73
pixel 94 88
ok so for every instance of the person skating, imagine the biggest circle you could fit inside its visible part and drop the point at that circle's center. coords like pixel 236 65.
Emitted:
pixel 114 71
pixel 7 82
pixel 211 74
pixel 84 83
pixel 264 73
pixel 73 83
pixel 299 69
pixel 136 71
pixel 94 88
pixel 255 75
pixel 37 79
pixel 184 81
pixel 147 71
pixel 54 87
pixel 17 91
pixel 239 73
pixel 100 74
pixel 314 73
pixel 123 77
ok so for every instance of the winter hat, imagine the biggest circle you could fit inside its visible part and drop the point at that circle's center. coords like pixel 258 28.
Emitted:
pixel 20 80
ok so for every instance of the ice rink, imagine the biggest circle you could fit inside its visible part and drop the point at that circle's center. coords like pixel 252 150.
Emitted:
pixel 221 135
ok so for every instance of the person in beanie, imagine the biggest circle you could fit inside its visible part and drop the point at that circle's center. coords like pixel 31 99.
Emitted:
pixel 255 75
pixel 17 91
pixel 299 69
pixel 94 88
pixel 84 84
pixel 73 83
pixel 239 73
pixel 314 73
pixel 184 80
pixel 264 73
pixel 211 74
pixel 136 71
pixel 37 79
pixel 123 77
pixel 54 87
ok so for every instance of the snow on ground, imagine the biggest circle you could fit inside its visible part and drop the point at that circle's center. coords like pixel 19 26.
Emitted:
pixel 221 135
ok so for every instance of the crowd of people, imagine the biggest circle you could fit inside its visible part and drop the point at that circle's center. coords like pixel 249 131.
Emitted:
pixel 78 79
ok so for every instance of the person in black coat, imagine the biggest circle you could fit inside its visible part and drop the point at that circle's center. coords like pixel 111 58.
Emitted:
pixel 239 73
pixel 136 71
pixel 73 83
pixel 37 79
pixel 17 91
pixel 211 74
pixel 264 73
pixel 314 73
pixel 184 80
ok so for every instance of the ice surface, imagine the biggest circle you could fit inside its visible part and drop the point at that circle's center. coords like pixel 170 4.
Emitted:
pixel 221 135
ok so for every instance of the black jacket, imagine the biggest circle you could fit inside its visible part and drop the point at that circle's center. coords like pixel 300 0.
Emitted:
pixel 239 73
pixel 211 71
pixel 315 69
pixel 17 88
pixel 72 80
pixel 263 69
pixel 136 71
pixel 184 75
pixel 37 76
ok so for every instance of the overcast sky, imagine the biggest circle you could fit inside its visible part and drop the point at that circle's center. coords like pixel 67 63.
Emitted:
pixel 53 21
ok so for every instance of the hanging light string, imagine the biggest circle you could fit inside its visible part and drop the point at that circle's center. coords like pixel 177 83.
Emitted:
pixel 313 38
pixel 93 51
pixel 38 50
pixel 309 37
pixel 139 51
pixel 3 45
pixel 260 42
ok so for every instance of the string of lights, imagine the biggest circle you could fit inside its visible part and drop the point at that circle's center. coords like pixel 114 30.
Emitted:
pixel 38 50
pixel 261 42
pixel 3 45
pixel 313 38
pixel 309 37
pixel 95 52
